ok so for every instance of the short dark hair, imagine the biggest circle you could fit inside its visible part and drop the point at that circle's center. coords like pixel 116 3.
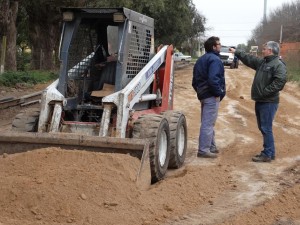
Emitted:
pixel 210 43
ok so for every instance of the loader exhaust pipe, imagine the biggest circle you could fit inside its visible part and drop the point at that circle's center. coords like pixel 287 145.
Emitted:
pixel 16 142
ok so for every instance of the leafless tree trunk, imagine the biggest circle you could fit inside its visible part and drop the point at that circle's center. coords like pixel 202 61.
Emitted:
pixel 9 10
pixel 11 51
pixel 4 8
pixel 44 34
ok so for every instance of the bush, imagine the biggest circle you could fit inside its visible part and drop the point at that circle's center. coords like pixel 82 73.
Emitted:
pixel 293 74
pixel 23 61
pixel 293 66
pixel 27 78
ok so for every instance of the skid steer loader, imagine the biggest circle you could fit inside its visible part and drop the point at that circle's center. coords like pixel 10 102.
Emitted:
pixel 114 94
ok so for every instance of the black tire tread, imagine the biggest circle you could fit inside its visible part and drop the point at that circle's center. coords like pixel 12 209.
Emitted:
pixel 146 127
pixel 26 120
pixel 173 117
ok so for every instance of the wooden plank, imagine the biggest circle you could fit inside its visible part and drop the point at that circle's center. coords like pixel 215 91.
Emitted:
pixel 23 101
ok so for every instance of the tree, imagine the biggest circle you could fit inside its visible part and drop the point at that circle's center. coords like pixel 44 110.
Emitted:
pixel 242 47
pixel 9 10
pixel 38 24
pixel 286 17
pixel 197 30
pixel 175 21
pixel 44 30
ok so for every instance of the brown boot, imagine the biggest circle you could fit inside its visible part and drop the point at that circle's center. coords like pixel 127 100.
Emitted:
pixel 261 158
pixel 206 155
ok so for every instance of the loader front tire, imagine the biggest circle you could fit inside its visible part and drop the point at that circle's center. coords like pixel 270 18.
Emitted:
pixel 155 128
pixel 178 138
pixel 27 120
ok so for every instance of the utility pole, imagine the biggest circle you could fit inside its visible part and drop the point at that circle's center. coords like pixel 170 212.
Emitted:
pixel 265 12
pixel 280 38
pixel 3 51
pixel 264 23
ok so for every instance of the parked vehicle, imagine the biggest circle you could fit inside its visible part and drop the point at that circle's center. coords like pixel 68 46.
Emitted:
pixel 180 57
pixel 228 58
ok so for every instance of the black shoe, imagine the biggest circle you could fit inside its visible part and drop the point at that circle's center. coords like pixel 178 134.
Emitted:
pixel 206 155
pixel 272 157
pixel 261 158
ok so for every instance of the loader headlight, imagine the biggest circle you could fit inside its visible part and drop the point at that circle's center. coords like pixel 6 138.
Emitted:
pixel 68 16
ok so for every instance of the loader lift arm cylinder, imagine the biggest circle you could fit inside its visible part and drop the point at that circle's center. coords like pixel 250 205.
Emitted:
pixel 132 93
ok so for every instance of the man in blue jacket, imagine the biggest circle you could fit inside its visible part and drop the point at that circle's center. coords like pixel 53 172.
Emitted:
pixel 269 79
pixel 209 84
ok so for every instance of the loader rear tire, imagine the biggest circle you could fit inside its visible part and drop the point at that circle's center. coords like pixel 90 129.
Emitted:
pixel 178 138
pixel 27 120
pixel 155 128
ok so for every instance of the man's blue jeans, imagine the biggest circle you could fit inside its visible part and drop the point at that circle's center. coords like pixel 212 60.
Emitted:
pixel 265 113
pixel 209 114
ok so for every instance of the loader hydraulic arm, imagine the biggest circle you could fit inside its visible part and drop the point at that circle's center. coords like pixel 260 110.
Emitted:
pixel 133 92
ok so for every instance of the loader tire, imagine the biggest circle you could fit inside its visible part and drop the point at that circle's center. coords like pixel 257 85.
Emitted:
pixel 178 138
pixel 26 121
pixel 155 128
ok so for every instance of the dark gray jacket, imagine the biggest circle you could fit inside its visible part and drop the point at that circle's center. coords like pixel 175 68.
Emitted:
pixel 269 79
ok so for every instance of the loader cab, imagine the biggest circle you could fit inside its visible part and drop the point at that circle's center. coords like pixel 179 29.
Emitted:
pixel 92 35
pixel 89 42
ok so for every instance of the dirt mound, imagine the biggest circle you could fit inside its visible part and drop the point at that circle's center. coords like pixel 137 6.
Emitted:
pixel 56 186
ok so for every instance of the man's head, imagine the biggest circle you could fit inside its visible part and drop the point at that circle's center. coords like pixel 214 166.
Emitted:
pixel 270 48
pixel 212 44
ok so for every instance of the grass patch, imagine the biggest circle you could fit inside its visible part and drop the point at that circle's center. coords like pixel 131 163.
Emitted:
pixel 293 66
pixel 26 78
pixel 294 74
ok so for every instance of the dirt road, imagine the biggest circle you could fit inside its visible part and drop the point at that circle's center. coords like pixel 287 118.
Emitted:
pixel 71 187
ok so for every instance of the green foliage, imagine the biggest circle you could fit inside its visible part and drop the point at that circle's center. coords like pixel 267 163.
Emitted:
pixel 23 60
pixel 23 29
pixel 293 71
pixel 177 22
pixel 11 79
pixel 294 74
pixel 173 25
pixel 293 65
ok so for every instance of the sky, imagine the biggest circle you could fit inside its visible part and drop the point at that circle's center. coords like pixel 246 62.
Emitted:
pixel 233 20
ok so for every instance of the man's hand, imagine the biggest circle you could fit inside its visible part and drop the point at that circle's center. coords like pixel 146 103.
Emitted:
pixel 232 50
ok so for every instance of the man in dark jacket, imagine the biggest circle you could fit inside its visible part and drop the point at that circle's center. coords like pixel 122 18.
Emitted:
pixel 209 84
pixel 269 79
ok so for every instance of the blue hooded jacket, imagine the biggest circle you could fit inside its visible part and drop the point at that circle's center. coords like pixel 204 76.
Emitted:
pixel 208 76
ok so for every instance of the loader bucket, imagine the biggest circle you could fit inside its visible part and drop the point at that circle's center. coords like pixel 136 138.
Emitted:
pixel 15 142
